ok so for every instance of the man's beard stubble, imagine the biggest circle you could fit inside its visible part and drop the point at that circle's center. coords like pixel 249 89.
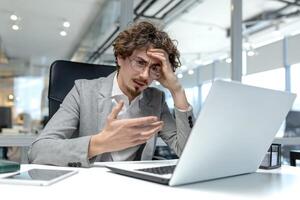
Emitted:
pixel 134 92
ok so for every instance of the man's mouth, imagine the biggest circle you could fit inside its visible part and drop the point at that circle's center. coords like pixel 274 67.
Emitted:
pixel 140 83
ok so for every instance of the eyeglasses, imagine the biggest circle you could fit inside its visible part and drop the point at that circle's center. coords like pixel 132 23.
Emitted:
pixel 140 65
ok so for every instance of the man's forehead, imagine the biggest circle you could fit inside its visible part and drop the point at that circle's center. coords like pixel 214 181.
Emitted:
pixel 142 54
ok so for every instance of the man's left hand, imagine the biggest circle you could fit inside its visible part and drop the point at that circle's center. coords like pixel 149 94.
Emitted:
pixel 168 78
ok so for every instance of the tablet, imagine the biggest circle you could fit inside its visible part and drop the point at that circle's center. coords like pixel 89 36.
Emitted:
pixel 41 177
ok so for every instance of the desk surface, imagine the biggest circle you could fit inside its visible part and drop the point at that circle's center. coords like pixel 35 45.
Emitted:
pixel 100 183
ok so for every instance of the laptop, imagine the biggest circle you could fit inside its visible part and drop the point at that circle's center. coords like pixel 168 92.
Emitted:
pixel 231 136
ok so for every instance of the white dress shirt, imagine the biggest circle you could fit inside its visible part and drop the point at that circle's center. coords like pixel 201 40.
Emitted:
pixel 128 111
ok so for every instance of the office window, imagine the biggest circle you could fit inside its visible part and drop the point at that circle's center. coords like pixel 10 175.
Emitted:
pixel 28 91
pixel 295 84
pixel 169 100
pixel 205 87
pixel 272 79
pixel 192 97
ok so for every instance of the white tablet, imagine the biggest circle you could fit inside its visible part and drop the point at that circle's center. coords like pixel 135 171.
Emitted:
pixel 41 177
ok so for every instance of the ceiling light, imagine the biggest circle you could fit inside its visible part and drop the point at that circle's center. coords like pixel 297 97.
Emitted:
pixel 66 24
pixel 179 75
pixel 63 33
pixel 190 72
pixel 14 17
pixel 250 53
pixel 15 27
pixel 10 97
pixel 228 60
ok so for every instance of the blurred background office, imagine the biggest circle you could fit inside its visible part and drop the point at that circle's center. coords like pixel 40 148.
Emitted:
pixel 34 33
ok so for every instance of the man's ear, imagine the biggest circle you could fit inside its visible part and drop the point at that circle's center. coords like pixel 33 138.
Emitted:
pixel 120 61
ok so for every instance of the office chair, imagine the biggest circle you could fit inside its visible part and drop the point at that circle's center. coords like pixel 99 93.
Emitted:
pixel 63 75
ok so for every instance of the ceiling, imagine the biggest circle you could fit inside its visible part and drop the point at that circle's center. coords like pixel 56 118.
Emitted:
pixel 201 30
pixel 208 23
pixel 38 41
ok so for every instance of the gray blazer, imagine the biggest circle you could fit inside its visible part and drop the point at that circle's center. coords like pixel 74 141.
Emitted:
pixel 66 137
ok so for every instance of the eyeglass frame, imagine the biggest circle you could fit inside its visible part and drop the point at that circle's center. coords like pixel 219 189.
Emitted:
pixel 134 65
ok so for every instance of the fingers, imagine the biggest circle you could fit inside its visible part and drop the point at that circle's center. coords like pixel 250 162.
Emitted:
pixel 161 56
pixel 147 134
pixel 159 53
pixel 144 136
pixel 141 121
pixel 148 127
pixel 115 111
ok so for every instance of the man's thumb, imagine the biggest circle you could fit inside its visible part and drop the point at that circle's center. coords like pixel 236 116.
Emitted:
pixel 115 111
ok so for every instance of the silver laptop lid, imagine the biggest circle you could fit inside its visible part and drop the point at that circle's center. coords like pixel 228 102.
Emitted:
pixel 234 130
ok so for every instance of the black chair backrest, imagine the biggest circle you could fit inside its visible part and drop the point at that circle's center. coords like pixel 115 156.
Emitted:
pixel 63 75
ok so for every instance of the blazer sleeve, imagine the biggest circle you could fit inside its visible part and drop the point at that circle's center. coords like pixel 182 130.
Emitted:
pixel 176 130
pixel 58 143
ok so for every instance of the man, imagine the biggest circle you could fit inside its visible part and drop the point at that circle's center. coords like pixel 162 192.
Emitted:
pixel 119 117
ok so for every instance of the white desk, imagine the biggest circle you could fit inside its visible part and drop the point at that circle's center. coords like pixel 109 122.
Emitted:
pixel 98 183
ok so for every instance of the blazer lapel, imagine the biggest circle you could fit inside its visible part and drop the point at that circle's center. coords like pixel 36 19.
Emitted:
pixel 104 99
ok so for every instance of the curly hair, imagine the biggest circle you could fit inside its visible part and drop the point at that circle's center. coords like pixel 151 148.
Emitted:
pixel 143 35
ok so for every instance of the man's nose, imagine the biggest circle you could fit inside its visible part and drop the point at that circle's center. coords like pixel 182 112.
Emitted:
pixel 145 74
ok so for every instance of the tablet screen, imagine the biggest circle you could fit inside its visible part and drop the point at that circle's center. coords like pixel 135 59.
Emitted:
pixel 39 174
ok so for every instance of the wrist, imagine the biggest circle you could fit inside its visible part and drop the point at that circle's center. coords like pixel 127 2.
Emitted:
pixel 179 98
pixel 97 145
pixel 176 89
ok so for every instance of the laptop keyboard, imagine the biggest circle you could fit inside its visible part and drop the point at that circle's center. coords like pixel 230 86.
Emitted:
pixel 159 170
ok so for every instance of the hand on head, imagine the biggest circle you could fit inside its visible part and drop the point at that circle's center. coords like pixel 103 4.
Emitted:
pixel 168 78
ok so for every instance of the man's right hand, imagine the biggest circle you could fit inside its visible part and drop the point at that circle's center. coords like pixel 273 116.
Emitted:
pixel 119 134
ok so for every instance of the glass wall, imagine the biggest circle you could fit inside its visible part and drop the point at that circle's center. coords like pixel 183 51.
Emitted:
pixel 205 88
pixel 272 79
pixel 28 101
